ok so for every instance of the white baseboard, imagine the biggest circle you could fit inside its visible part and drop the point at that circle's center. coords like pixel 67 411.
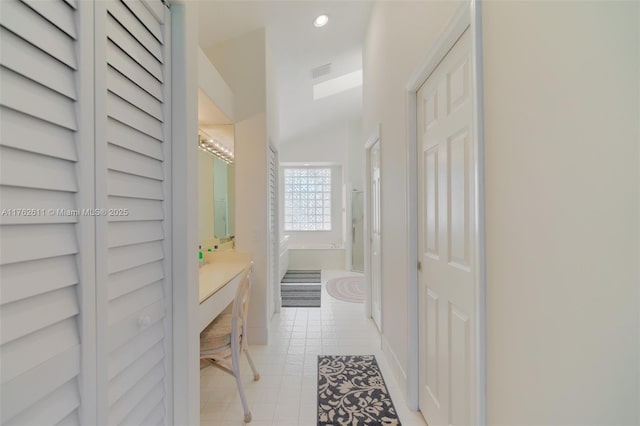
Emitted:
pixel 258 335
pixel 396 367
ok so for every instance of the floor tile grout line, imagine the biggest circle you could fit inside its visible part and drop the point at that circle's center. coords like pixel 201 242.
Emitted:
pixel 335 328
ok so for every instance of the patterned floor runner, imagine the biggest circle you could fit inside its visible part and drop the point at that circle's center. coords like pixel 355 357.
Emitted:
pixel 351 391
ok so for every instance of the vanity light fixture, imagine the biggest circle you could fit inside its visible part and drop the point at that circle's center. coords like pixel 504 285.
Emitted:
pixel 321 21
pixel 216 149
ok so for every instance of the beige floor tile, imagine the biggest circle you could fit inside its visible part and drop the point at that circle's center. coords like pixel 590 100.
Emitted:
pixel 286 394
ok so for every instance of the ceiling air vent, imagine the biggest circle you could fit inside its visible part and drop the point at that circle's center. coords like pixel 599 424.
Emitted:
pixel 321 70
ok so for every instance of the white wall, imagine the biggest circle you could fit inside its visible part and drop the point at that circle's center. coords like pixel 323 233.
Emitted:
pixel 251 216
pixel 562 150
pixel 184 157
pixel 341 143
pixel 213 85
pixel 398 38
pixel 355 155
pixel 241 62
pixel 325 144
pixel 273 98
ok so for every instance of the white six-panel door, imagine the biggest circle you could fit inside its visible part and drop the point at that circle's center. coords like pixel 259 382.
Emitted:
pixel 446 246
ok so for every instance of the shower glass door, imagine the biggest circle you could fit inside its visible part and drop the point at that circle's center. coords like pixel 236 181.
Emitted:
pixel 357 230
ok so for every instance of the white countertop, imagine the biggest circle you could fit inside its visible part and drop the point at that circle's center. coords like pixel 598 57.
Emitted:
pixel 221 267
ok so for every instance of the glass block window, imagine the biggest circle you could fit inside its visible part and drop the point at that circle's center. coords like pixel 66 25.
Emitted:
pixel 307 199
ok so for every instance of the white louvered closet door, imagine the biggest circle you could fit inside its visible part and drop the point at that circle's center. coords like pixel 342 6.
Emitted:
pixel 274 240
pixel 47 352
pixel 132 183
pixel 85 313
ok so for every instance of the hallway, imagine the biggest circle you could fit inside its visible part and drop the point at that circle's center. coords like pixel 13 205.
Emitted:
pixel 478 160
pixel 286 392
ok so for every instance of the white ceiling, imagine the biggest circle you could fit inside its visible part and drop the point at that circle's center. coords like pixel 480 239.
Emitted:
pixel 296 47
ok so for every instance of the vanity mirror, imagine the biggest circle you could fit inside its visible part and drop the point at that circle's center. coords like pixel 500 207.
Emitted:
pixel 215 174
pixel 217 187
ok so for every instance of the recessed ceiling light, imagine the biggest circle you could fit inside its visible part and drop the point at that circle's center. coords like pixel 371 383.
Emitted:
pixel 321 21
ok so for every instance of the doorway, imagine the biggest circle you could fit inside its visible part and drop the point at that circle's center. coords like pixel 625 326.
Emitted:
pixel 446 250
pixel 447 324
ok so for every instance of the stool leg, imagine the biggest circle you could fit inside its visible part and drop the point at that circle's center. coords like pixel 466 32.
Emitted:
pixel 256 376
pixel 235 363
pixel 243 398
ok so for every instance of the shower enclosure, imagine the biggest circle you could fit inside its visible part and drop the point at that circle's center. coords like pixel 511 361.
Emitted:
pixel 357 230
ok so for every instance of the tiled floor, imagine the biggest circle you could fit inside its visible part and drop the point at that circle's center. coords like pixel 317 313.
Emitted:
pixel 286 392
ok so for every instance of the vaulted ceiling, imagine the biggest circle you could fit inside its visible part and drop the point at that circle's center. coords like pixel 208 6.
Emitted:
pixel 296 47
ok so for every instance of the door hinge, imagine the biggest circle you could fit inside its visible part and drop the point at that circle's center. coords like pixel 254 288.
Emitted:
pixel 419 266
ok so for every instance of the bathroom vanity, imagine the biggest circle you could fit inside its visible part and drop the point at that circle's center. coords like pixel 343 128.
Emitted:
pixel 219 278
